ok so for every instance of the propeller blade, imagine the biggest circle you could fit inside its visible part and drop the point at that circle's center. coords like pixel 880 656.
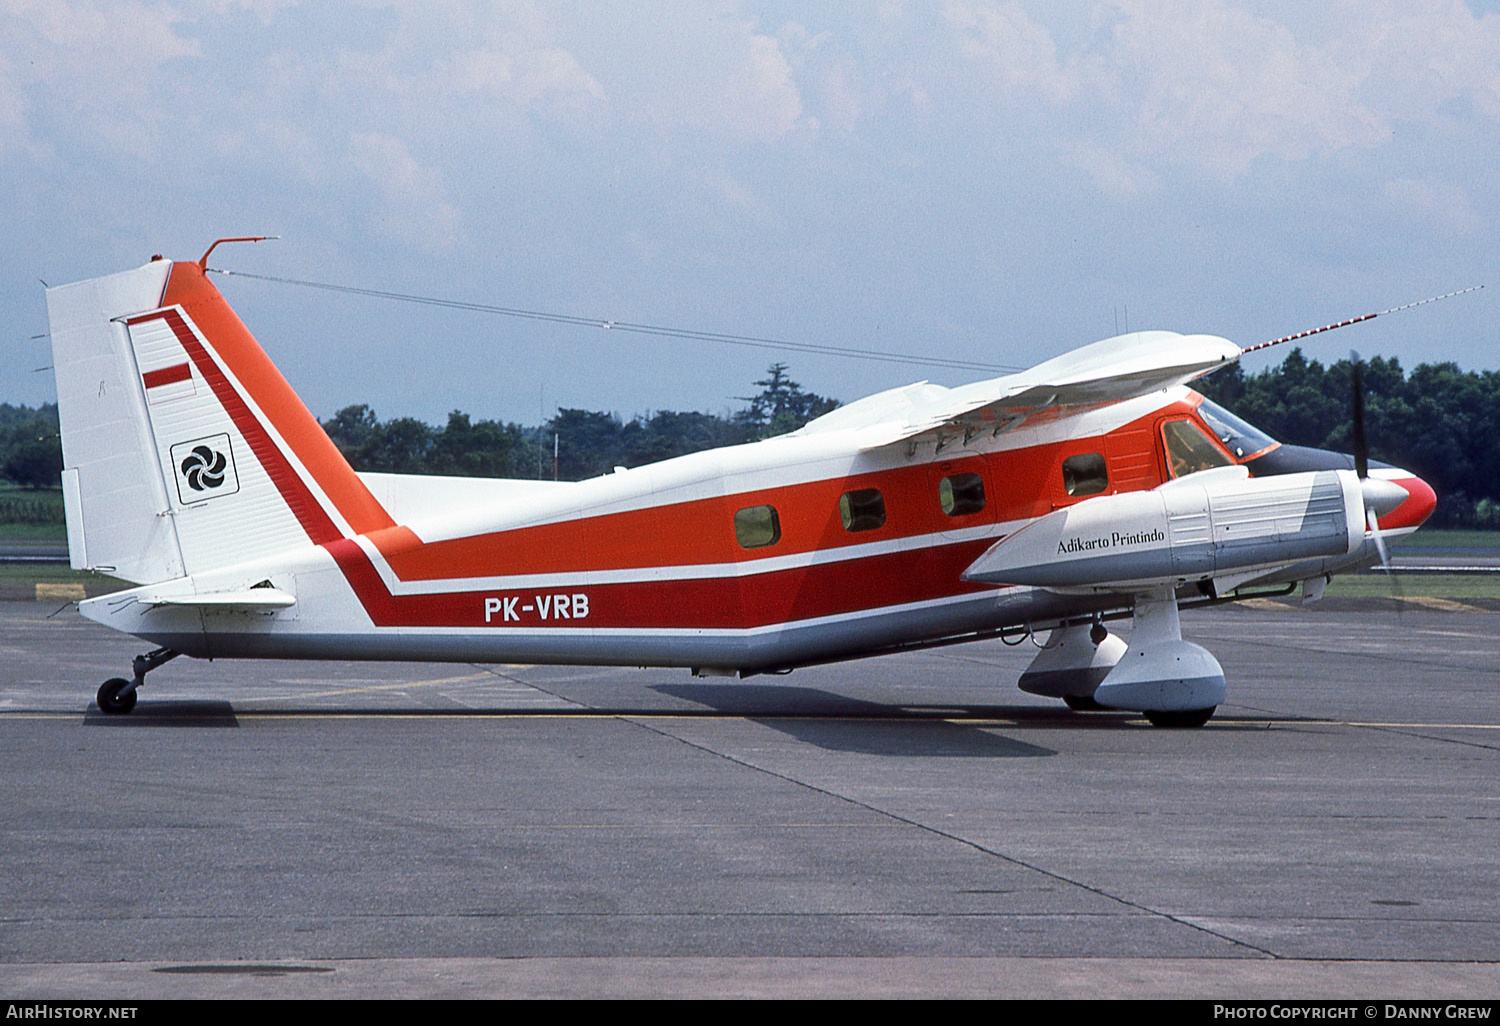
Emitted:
pixel 1357 410
pixel 1385 556
pixel 1380 497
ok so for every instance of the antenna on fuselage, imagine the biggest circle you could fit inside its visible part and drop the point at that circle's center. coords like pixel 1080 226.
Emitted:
pixel 203 260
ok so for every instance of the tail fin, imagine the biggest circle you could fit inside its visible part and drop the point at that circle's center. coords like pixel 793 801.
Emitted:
pixel 184 449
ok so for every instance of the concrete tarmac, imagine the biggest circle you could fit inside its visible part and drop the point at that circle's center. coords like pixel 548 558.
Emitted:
pixel 910 825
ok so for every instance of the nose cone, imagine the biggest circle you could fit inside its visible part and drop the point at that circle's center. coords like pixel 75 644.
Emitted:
pixel 1418 505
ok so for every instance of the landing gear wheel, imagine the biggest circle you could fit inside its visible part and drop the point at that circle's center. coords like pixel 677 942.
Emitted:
pixel 1181 718
pixel 113 698
pixel 1083 703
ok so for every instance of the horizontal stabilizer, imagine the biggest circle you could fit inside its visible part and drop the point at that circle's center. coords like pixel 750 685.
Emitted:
pixel 248 599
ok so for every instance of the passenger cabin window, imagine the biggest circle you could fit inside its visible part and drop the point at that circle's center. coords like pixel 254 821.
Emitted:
pixel 1189 450
pixel 755 527
pixel 1085 474
pixel 961 494
pixel 862 510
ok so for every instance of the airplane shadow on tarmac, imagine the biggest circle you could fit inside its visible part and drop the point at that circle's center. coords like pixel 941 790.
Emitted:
pixel 838 723
pixel 181 713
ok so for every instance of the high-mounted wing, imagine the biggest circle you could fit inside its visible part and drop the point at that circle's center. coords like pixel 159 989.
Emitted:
pixel 1110 371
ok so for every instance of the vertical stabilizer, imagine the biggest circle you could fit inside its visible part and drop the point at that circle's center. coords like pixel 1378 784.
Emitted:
pixel 184 448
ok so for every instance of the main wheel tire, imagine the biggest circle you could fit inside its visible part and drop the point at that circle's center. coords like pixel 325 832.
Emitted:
pixel 1083 703
pixel 113 698
pixel 1181 717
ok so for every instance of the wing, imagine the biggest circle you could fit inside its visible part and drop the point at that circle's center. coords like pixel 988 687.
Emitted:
pixel 1110 371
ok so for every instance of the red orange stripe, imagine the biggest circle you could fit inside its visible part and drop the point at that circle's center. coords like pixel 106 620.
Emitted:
pixel 188 287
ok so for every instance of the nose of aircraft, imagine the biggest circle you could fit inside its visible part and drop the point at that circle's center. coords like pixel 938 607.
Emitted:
pixel 1416 507
pixel 1408 512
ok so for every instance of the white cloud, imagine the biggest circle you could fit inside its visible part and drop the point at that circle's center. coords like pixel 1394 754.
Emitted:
pixel 414 207
pixel 1212 86
pixel 1017 51
pixel 97 63
pixel 716 78
pixel 1415 56
pixel 763 87
pixel 1113 172
pixel 521 76
pixel 1432 202
pixel 827 76
pixel 1217 87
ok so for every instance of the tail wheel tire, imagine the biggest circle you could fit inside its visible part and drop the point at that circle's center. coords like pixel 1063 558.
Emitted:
pixel 114 699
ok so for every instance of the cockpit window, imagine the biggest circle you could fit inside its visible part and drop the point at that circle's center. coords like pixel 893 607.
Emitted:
pixel 1189 449
pixel 1242 439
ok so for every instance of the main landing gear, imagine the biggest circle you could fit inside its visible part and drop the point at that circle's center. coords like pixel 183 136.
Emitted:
pixel 1173 683
pixel 117 695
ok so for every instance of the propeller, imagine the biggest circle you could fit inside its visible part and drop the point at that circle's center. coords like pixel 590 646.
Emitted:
pixel 1357 411
pixel 1380 496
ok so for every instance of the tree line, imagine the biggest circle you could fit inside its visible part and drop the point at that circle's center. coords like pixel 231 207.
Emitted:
pixel 1438 421
pixel 573 445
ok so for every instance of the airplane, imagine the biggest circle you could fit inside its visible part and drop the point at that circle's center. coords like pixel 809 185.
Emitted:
pixel 1093 487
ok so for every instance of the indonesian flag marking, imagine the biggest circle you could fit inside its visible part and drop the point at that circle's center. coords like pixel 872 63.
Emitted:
pixel 164 383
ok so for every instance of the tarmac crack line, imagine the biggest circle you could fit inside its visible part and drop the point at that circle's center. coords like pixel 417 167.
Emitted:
pixel 527 684
pixel 946 835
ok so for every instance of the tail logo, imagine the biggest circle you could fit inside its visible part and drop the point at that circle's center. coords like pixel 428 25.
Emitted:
pixel 205 469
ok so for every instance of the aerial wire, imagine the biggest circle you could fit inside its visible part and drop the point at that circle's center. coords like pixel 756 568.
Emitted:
pixel 751 341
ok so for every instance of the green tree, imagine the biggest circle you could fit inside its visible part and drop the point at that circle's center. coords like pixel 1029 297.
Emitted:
pixel 354 430
pixel 30 449
pixel 486 448
pixel 589 443
pixel 782 405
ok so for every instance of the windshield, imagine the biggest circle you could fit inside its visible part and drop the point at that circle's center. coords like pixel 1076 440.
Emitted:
pixel 1242 439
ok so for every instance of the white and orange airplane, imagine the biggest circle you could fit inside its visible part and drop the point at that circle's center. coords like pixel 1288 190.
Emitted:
pixel 1092 487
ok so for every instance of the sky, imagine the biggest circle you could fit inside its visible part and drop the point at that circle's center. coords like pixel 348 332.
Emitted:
pixel 996 182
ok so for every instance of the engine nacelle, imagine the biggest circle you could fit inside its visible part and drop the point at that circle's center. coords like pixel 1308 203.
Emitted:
pixel 1213 523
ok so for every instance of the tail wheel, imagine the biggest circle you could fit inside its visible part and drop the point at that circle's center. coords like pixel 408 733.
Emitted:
pixel 1181 717
pixel 113 698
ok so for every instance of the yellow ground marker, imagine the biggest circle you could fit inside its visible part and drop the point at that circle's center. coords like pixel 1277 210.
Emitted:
pixel 1442 605
pixel 1263 603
